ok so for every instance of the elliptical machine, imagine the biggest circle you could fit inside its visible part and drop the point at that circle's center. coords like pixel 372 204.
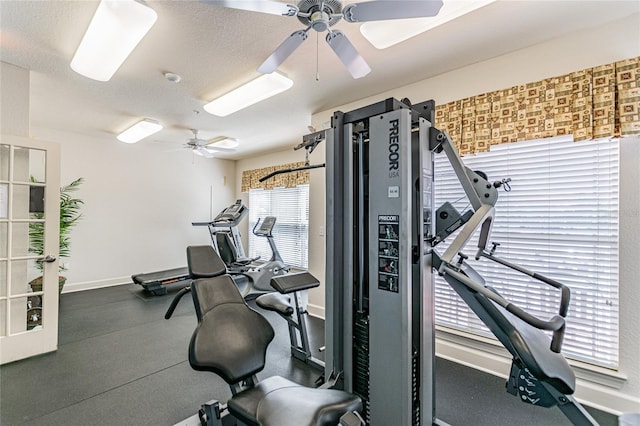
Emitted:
pixel 260 276
pixel 251 280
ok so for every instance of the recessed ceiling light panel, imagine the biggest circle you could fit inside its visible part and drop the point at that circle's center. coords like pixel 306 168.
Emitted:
pixel 263 87
pixel 383 34
pixel 139 131
pixel 115 30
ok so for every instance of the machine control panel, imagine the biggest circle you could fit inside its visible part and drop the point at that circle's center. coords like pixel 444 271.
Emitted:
pixel 388 255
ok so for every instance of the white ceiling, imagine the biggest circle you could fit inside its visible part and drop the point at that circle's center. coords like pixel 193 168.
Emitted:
pixel 216 49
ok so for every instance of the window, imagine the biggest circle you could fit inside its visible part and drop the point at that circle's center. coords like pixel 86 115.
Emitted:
pixel 560 220
pixel 290 206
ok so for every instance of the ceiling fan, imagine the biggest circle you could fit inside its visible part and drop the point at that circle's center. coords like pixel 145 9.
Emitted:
pixel 204 147
pixel 321 15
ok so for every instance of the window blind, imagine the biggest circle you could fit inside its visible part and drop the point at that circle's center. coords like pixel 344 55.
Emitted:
pixel 560 220
pixel 290 206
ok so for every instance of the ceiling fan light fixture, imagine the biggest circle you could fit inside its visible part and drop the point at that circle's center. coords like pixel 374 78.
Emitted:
pixel 115 30
pixel 383 34
pixel 259 89
pixel 139 131
pixel 223 142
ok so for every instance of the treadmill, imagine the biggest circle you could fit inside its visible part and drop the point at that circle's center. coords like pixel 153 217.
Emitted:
pixel 228 219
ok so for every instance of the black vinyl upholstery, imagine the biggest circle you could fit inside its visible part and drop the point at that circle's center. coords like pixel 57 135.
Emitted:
pixel 276 302
pixel 204 262
pixel 279 402
pixel 228 252
pixel 290 283
pixel 231 340
pixel 529 346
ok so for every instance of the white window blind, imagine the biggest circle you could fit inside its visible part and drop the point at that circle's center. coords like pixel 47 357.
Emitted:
pixel 560 220
pixel 290 206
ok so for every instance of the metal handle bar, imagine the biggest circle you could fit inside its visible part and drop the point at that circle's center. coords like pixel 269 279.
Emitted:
pixel 174 302
pixel 556 324
pixel 566 292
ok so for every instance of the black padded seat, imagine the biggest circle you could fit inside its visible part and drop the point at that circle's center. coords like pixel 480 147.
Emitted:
pixel 231 340
pixel 533 347
pixel 529 346
pixel 281 402
pixel 276 302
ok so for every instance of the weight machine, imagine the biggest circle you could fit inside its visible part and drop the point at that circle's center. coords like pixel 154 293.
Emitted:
pixel 381 261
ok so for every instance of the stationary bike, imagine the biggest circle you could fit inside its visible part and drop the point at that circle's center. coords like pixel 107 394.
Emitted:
pixel 253 281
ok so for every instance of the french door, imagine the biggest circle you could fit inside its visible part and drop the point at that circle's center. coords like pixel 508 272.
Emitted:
pixel 29 216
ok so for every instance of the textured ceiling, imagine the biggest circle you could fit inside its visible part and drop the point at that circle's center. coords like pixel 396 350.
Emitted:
pixel 216 49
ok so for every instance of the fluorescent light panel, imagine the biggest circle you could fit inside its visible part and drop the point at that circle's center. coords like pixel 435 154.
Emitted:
pixel 383 34
pixel 139 131
pixel 263 87
pixel 115 30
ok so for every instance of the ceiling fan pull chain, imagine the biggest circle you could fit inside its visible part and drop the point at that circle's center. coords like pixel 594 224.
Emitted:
pixel 317 57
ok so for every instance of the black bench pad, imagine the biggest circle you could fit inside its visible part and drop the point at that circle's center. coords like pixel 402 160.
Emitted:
pixel 266 404
pixel 291 283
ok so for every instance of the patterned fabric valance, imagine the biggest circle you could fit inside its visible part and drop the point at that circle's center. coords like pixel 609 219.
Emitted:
pixel 250 178
pixel 598 102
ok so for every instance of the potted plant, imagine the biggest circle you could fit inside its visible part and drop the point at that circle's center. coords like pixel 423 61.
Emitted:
pixel 69 216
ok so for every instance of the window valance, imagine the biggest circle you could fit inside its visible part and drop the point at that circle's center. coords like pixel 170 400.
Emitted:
pixel 251 178
pixel 598 102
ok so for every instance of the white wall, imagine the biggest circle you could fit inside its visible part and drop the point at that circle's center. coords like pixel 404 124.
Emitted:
pixel 612 391
pixel 139 202
pixel 14 91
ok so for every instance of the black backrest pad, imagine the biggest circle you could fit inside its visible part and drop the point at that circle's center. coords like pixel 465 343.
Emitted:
pixel 204 262
pixel 527 344
pixel 231 339
pixel 226 248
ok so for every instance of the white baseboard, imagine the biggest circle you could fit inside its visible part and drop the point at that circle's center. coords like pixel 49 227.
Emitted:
pixel 91 285
pixel 315 310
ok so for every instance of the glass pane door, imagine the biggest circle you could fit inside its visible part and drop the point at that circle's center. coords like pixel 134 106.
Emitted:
pixel 28 247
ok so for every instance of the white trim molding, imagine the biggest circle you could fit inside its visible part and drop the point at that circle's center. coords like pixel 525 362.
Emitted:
pixel 90 285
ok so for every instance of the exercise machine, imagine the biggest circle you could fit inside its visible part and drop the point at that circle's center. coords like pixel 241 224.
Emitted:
pixel 156 282
pixel 382 234
pixel 290 288
pixel 260 276
pixel 224 316
pixel 226 237
pixel 227 241
pixel 253 280
pixel 226 222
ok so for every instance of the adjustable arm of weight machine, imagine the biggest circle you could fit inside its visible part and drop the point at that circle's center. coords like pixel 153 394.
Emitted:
pixel 481 193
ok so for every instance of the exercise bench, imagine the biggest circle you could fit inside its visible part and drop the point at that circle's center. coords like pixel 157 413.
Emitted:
pixel 231 340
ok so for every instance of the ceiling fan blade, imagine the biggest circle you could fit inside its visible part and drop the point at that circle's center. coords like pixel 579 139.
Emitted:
pixel 213 149
pixel 283 51
pixel 263 6
pixel 348 54
pixel 390 9
pixel 201 151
